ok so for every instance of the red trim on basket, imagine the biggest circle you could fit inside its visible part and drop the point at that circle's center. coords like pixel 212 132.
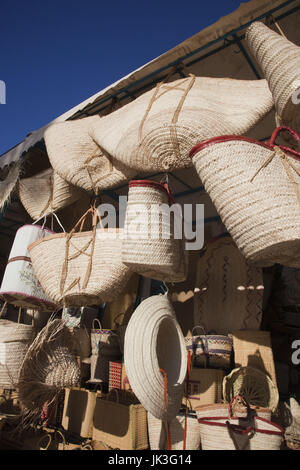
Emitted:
pixel 146 183
pixel 227 138
pixel 211 421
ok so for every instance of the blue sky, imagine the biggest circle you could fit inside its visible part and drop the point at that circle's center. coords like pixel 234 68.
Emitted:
pixel 55 54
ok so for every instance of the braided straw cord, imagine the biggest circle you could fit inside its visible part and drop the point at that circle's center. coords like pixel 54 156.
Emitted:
pixel 48 367
pixel 256 386
pixel 149 247
pixel 156 131
pixel 81 268
pixel 154 340
pixel 254 193
pixel 279 59
pixel 77 158
pixel 45 193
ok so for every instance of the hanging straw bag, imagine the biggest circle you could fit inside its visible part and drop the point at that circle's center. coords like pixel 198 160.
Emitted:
pixel 45 193
pixel 79 406
pixel 20 286
pixel 209 350
pixel 15 339
pixel 105 348
pixel 82 268
pixel 154 132
pixel 150 247
pixel 178 428
pixel 250 432
pixel 120 424
pixel 254 186
pixel 204 387
pixel 279 60
pixel 77 158
pixel 254 385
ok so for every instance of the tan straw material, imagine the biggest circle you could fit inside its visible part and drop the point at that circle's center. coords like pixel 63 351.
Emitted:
pixel 46 193
pixel 81 268
pixel 154 341
pixel 150 247
pixel 255 188
pixel 156 131
pixel 279 60
pixel 78 159
pixel 229 290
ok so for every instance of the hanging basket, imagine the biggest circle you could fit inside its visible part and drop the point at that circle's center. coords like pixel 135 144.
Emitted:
pixel 150 247
pixel 20 286
pixel 279 60
pixel 77 158
pixel 254 385
pixel 155 132
pixel 81 268
pixel 254 186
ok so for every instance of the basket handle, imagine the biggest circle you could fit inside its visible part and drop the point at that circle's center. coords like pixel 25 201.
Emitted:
pixel 3 308
pixel 117 393
pixel 205 344
pixel 295 153
pixel 99 324
pixel 232 403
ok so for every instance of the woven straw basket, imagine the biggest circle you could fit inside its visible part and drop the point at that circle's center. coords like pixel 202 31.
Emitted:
pixel 223 429
pixel 204 387
pixel 254 187
pixel 46 193
pixel 254 385
pixel 279 60
pixel 228 292
pixel 105 348
pixel 49 366
pixel 77 158
pixel 209 350
pixel 292 432
pixel 15 339
pixel 156 131
pixel 158 436
pixel 82 268
pixel 154 342
pixel 149 246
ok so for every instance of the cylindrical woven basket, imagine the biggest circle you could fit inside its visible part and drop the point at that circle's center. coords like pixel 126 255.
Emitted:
pixel 150 247
pixel 105 348
pixel 223 429
pixel 154 342
pixel 158 436
pixel 254 385
pixel 45 193
pixel 228 291
pixel 15 339
pixel 156 131
pixel 203 387
pixel 81 268
pixel 209 350
pixel 77 158
pixel 254 186
pixel 292 431
pixel 279 60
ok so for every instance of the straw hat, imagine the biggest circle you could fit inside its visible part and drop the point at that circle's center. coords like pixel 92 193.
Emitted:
pixel 154 341
pixel 279 60
pixel 156 131
pixel 46 192
pixel 78 159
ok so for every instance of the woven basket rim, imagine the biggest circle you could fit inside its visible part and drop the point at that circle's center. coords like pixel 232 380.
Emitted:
pixel 29 297
pixel 75 235
pixel 146 183
pixel 231 138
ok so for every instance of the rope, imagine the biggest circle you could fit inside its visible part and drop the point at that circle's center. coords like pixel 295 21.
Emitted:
pixel 2 309
pixel 166 407
pixel 187 388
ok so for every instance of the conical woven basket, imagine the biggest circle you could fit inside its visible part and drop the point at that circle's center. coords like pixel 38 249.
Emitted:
pixel 81 268
pixel 49 366
pixel 154 341
pixel 248 429
pixel 156 131
pixel 228 292
pixel 15 339
pixel 45 193
pixel 158 436
pixel 254 385
pixel 150 247
pixel 279 60
pixel 77 158
pixel 254 187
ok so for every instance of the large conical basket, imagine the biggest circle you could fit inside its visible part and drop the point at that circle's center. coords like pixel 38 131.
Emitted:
pixel 279 60
pixel 255 188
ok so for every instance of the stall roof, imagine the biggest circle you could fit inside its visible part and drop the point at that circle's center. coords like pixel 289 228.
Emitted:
pixel 225 32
